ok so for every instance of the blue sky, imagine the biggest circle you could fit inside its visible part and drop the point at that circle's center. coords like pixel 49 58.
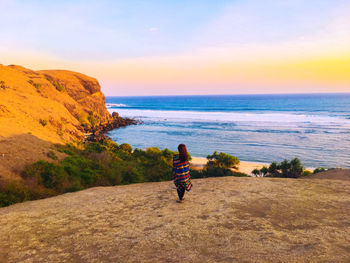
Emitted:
pixel 90 35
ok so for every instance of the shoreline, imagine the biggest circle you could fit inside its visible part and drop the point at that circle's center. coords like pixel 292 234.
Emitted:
pixel 244 166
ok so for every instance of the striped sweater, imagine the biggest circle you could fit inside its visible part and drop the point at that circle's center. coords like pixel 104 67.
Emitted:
pixel 181 172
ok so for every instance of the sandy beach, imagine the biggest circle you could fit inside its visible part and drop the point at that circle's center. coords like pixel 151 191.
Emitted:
pixel 244 167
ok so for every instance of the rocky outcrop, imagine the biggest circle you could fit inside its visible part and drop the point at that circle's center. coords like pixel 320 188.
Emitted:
pixel 97 133
pixel 54 105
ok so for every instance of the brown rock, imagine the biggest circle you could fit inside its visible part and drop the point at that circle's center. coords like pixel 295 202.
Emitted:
pixel 115 115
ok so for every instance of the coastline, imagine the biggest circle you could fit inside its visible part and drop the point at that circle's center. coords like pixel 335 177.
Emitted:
pixel 244 167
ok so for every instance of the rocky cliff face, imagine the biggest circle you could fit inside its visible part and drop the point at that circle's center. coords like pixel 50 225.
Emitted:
pixel 39 108
pixel 53 105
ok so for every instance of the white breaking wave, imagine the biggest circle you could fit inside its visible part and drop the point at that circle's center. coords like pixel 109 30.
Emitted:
pixel 280 118
pixel 110 105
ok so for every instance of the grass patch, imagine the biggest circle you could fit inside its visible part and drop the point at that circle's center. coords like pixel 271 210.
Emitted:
pixel 52 155
pixel 34 84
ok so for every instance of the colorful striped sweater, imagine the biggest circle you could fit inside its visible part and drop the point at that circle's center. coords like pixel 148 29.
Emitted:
pixel 181 172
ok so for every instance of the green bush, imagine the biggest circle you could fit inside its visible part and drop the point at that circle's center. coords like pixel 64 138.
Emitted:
pixel 319 169
pixel 58 86
pixel 222 160
pixel 94 119
pixel 49 175
pixel 285 169
pixel 219 165
pixel 52 155
pixel 306 173
pixel 215 172
pixel 95 147
pixel 125 148
pixel 13 192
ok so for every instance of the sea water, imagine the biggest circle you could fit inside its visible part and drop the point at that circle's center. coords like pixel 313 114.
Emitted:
pixel 258 128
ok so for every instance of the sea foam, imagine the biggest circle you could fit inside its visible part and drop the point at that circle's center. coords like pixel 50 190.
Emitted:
pixel 279 118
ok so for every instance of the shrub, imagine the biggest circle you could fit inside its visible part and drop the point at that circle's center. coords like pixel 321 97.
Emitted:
pixel 52 155
pixel 58 86
pixel 13 192
pixel 222 160
pixel 285 169
pixel 94 119
pixel 256 172
pixel 2 85
pixel 94 147
pixel 215 172
pixel 319 169
pixel 34 84
pixel 306 173
pixel 48 174
pixel 111 146
pixel 218 165
pixel 125 148
pixel 43 122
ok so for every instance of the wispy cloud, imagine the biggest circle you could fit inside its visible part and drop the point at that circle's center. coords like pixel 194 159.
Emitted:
pixel 153 29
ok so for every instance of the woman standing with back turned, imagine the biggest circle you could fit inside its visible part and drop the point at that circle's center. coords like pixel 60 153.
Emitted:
pixel 181 172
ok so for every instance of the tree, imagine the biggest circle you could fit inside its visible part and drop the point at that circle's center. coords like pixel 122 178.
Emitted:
pixel 256 172
pixel 222 160
pixel 285 169
pixel 273 169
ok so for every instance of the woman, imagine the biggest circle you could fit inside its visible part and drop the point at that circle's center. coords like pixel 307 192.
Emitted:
pixel 181 172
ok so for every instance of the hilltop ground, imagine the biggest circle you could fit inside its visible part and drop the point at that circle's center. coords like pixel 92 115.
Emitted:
pixel 222 220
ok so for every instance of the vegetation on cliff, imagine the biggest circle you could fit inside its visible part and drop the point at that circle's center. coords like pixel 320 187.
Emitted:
pixel 100 164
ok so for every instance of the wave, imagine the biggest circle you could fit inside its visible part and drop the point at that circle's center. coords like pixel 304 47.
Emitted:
pixel 271 117
pixel 111 105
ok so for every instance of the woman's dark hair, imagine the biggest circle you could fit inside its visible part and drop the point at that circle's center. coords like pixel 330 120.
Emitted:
pixel 183 152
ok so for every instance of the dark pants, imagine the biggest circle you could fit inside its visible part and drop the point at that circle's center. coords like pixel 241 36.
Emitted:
pixel 180 191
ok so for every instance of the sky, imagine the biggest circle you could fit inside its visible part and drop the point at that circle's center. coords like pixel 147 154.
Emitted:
pixel 184 47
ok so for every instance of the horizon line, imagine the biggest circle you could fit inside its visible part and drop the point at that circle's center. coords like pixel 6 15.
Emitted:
pixel 239 94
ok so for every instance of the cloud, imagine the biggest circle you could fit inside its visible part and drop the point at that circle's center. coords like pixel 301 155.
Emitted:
pixel 153 29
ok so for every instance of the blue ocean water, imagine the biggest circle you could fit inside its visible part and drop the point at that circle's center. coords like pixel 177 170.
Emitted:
pixel 259 128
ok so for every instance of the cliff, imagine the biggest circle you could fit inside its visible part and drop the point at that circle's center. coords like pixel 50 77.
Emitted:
pixel 40 108
pixel 50 104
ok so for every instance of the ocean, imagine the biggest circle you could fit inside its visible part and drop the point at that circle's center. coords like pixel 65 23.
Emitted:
pixel 257 128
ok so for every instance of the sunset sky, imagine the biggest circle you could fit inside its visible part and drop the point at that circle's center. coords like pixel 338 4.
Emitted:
pixel 185 47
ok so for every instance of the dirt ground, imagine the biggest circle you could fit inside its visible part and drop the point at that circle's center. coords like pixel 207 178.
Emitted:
pixel 222 220
pixel 16 152
pixel 334 174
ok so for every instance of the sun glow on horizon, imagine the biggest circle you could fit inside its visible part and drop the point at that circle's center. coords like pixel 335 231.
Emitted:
pixel 232 47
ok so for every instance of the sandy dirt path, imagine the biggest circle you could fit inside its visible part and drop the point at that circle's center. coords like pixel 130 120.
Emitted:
pixel 222 220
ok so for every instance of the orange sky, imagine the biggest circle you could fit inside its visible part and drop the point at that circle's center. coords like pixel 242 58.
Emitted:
pixel 232 47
